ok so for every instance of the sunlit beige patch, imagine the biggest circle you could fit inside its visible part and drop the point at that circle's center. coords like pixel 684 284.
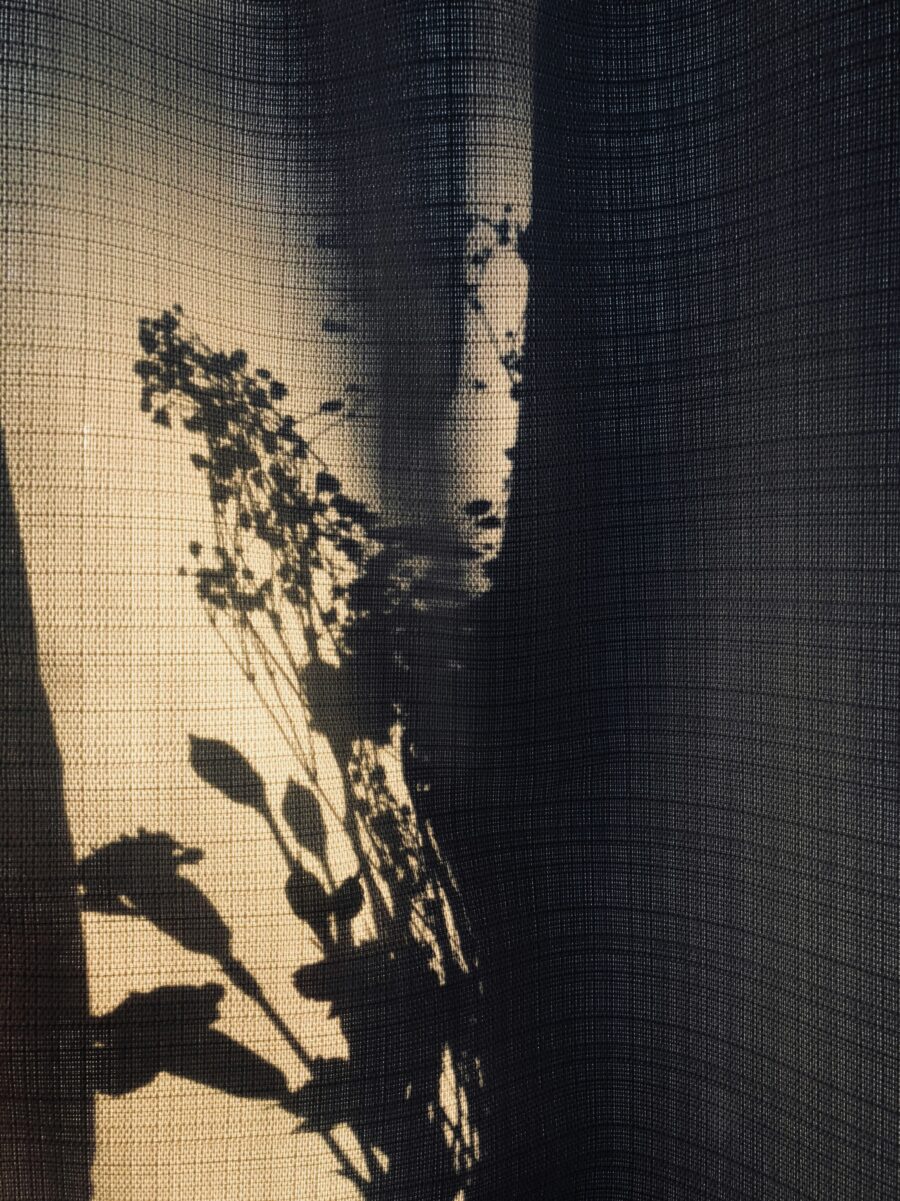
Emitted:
pixel 127 202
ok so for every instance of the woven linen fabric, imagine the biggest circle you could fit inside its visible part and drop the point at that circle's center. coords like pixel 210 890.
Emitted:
pixel 448 557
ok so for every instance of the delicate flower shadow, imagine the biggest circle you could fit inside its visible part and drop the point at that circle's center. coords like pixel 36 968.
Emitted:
pixel 321 608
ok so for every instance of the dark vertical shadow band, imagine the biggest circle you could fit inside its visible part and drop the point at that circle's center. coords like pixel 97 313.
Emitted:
pixel 46 1107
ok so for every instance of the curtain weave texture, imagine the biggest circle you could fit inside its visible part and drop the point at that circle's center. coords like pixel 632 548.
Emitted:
pixel 450 656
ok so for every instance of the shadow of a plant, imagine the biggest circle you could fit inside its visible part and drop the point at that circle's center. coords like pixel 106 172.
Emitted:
pixel 321 608
pixel 392 1009
pixel 170 1030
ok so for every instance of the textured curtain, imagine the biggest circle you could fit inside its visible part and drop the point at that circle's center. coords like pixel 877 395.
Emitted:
pixel 450 654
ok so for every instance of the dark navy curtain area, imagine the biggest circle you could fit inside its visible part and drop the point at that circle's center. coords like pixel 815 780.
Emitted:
pixel 702 577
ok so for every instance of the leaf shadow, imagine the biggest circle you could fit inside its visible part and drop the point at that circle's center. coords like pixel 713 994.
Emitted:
pixel 169 1029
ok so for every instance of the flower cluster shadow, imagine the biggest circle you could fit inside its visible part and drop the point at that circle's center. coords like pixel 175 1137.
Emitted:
pixel 318 603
